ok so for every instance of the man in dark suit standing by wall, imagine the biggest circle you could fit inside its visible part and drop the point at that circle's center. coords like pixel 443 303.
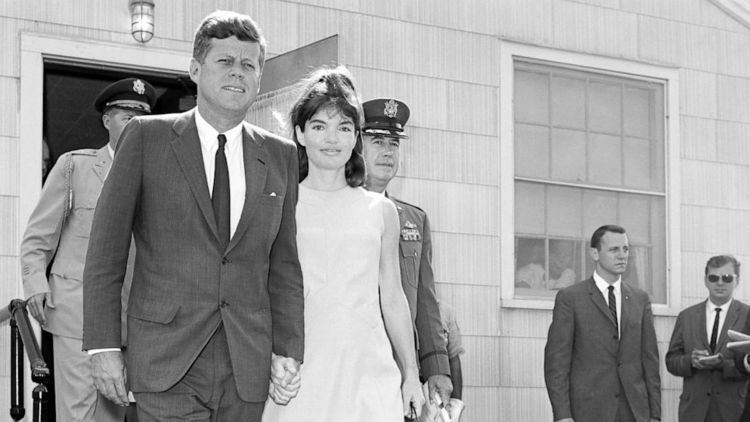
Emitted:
pixel 601 362
pixel 382 134
pixel 713 390
pixel 217 285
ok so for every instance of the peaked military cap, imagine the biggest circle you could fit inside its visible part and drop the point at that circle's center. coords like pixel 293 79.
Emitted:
pixel 385 116
pixel 131 93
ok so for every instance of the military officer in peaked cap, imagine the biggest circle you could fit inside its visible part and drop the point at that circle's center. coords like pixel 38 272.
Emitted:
pixel 59 227
pixel 382 134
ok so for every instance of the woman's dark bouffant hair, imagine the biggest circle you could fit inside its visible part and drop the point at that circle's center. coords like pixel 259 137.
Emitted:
pixel 329 87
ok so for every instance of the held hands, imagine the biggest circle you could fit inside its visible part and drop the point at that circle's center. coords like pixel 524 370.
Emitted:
pixel 455 407
pixel 442 385
pixel 35 305
pixel 285 379
pixel 411 395
pixel 110 377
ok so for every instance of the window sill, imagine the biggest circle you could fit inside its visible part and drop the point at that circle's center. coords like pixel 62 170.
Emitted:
pixel 547 304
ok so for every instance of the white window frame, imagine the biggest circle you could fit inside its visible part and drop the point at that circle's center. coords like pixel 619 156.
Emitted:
pixel 509 52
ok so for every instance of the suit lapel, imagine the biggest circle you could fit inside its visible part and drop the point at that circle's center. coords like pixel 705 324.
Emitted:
pixel 255 159
pixel 733 314
pixel 699 322
pixel 628 311
pixel 102 164
pixel 598 299
pixel 187 149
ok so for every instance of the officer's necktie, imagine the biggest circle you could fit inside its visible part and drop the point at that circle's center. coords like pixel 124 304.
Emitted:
pixel 715 331
pixel 220 196
pixel 613 307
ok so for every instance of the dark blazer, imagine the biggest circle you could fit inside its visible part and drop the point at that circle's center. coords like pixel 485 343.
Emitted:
pixel 185 282
pixel 585 365
pixel 727 386
pixel 415 245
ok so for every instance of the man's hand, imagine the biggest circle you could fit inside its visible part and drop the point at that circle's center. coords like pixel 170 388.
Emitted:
pixel 285 379
pixel 282 395
pixel 442 385
pixel 695 358
pixel 35 305
pixel 455 407
pixel 110 378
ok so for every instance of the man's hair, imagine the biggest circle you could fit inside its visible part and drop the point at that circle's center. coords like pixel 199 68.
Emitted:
pixel 596 238
pixel 223 24
pixel 329 88
pixel 721 260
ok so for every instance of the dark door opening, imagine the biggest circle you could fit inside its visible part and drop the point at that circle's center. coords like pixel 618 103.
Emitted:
pixel 70 122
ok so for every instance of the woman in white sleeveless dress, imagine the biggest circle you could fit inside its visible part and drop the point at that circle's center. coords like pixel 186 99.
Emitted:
pixel 348 242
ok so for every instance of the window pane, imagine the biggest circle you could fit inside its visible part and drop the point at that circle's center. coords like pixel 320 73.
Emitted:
pixel 532 150
pixel 564 211
pixel 530 264
pixel 637 112
pixel 600 209
pixel 604 160
pixel 543 267
pixel 638 163
pixel 635 216
pixel 568 98
pixel 530 209
pixel 569 152
pixel 604 107
pixel 530 97
pixel 564 263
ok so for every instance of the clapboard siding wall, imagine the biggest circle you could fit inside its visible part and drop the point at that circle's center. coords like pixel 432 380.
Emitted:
pixel 443 58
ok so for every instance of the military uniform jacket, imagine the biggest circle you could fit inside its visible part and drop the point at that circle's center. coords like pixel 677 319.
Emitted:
pixel 59 228
pixel 415 245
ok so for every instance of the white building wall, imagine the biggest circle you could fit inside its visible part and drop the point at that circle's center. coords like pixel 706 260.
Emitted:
pixel 442 58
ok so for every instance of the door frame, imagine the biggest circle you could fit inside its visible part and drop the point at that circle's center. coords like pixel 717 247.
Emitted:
pixel 35 49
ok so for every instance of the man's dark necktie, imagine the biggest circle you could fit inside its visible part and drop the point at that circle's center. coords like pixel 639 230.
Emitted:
pixel 220 196
pixel 613 307
pixel 715 331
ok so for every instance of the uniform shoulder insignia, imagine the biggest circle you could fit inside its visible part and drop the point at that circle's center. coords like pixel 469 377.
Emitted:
pixel 84 151
pixel 406 204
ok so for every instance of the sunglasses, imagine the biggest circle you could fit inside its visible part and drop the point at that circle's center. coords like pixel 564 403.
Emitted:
pixel 727 278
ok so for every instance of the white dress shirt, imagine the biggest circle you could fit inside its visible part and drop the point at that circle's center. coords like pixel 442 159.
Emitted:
pixel 603 287
pixel 235 162
pixel 711 314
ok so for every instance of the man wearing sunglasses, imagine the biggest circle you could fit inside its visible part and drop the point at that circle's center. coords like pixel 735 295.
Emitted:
pixel 713 388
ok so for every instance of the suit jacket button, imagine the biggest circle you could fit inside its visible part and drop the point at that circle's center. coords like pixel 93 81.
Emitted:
pixel 223 304
pixel 225 260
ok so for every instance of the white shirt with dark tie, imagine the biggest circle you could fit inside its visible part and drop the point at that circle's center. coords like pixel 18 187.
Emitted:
pixel 603 287
pixel 235 162
pixel 711 315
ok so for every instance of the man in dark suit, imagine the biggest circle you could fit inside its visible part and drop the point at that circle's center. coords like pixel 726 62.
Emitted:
pixel 382 132
pixel 217 285
pixel 713 390
pixel 601 362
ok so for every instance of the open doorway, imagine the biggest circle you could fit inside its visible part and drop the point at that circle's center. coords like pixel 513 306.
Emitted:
pixel 70 121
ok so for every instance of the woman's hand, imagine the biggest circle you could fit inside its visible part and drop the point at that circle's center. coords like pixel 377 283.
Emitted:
pixel 411 394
